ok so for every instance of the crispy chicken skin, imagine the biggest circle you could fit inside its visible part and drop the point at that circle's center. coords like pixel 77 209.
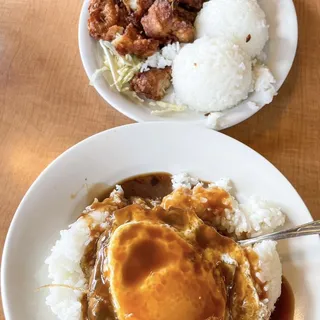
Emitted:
pixel 106 14
pixel 192 4
pixel 167 23
pixel 189 16
pixel 138 7
pixel 153 83
pixel 132 42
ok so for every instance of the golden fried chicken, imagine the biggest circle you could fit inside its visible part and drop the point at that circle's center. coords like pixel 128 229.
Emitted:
pixel 167 23
pixel 192 4
pixel 138 7
pixel 106 14
pixel 153 83
pixel 132 42
pixel 189 16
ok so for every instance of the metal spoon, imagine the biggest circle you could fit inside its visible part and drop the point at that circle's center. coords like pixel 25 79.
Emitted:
pixel 303 230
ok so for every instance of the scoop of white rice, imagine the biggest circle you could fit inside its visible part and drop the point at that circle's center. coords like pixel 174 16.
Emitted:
pixel 211 74
pixel 241 21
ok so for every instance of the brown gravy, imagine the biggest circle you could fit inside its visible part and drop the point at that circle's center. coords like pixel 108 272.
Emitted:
pixel 99 305
pixel 154 186
pixel 284 309
pixel 150 185
pixel 254 268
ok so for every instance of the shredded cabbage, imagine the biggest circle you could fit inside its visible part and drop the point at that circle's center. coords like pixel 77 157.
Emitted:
pixel 166 107
pixel 122 68
pixel 97 74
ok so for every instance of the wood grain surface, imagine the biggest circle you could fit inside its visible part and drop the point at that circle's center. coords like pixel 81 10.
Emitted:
pixel 46 104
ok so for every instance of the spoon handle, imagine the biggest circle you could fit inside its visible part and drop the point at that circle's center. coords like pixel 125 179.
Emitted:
pixel 303 230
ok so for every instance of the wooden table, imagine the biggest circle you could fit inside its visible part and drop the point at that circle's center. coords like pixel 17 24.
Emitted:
pixel 46 105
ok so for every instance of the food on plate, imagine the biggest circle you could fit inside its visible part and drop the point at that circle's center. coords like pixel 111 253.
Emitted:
pixel 197 69
pixel 241 21
pixel 131 42
pixel 164 247
pixel 138 7
pixel 167 23
pixel 193 4
pixel 106 16
pixel 163 58
pixel 162 33
pixel 264 82
pixel 152 83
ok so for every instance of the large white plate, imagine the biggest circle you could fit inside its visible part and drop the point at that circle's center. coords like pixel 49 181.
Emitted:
pixel 280 50
pixel 129 150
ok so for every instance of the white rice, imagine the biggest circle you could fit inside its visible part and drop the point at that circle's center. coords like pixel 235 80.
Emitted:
pixel 219 71
pixel 183 180
pixel 257 216
pixel 215 120
pixel 224 183
pixel 64 268
pixel 64 262
pixel 264 82
pixel 271 270
pixel 236 20
pixel 163 58
pixel 260 216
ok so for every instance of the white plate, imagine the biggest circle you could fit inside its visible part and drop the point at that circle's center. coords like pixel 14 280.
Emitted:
pixel 126 151
pixel 281 50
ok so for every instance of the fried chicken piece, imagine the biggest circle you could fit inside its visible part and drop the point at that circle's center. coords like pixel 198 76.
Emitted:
pixel 138 7
pixel 192 4
pixel 153 83
pixel 167 23
pixel 106 14
pixel 132 42
pixel 113 32
pixel 189 16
